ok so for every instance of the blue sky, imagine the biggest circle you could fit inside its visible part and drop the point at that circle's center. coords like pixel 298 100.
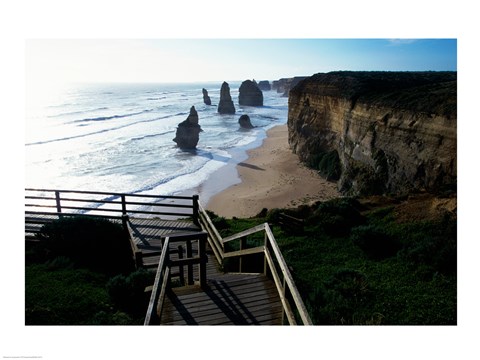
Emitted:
pixel 186 60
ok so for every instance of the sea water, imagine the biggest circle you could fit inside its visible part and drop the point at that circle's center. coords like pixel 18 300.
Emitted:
pixel 119 138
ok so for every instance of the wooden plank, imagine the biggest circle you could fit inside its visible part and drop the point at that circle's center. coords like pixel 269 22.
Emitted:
pixel 239 235
pixel 255 250
pixel 261 317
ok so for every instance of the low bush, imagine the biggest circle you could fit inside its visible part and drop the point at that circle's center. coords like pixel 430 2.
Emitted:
pixel 336 217
pixel 375 241
pixel 327 163
pixel 88 241
pixel 344 298
pixel 128 292
pixel 432 245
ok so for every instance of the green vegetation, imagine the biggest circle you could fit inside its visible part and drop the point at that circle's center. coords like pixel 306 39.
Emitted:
pixel 354 266
pixel 327 163
pixel 80 272
pixel 355 263
pixel 96 243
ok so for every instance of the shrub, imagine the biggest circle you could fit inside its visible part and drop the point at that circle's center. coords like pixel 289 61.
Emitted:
pixel 93 242
pixel 327 163
pixel 375 241
pixel 61 262
pixel 129 291
pixel 336 217
pixel 433 245
pixel 341 299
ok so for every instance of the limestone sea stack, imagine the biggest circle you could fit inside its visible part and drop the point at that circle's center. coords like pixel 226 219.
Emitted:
pixel 264 85
pixel 225 105
pixel 188 131
pixel 244 122
pixel 206 98
pixel 250 94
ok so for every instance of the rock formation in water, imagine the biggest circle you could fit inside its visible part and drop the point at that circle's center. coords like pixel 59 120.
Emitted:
pixel 244 122
pixel 249 94
pixel 225 105
pixel 284 85
pixel 206 98
pixel 264 85
pixel 188 131
pixel 377 132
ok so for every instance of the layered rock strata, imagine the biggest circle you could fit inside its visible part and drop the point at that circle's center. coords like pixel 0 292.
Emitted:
pixel 225 105
pixel 283 86
pixel 245 122
pixel 206 98
pixel 188 131
pixel 380 132
pixel 249 94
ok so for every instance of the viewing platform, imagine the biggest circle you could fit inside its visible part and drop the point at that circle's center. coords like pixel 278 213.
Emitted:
pixel 201 278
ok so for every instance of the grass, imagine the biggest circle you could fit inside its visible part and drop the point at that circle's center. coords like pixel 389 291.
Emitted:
pixel 352 267
pixel 360 269
pixel 68 286
pixel 70 296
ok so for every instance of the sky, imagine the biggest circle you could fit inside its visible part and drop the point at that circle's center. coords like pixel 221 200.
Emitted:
pixel 53 61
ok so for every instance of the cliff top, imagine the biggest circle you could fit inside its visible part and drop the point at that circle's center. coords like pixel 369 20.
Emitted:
pixel 430 92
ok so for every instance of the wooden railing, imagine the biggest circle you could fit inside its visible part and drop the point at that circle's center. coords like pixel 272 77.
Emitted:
pixel 214 238
pixel 100 203
pixel 274 264
pixel 276 267
pixel 164 272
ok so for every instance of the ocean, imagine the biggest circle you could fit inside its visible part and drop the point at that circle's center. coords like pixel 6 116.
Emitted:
pixel 119 138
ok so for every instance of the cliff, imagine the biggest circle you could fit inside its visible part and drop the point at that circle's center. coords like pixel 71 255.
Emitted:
pixel 377 132
pixel 283 86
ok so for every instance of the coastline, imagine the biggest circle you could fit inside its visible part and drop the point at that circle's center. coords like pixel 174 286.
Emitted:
pixel 271 177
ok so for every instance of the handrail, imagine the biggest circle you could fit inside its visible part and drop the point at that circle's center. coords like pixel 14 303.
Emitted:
pixel 283 279
pixel 214 237
pixel 112 202
pixel 162 277
pixel 159 286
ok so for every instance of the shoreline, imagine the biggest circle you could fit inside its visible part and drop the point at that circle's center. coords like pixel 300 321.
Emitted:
pixel 271 177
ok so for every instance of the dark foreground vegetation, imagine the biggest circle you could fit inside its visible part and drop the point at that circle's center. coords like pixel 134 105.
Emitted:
pixel 81 273
pixel 356 262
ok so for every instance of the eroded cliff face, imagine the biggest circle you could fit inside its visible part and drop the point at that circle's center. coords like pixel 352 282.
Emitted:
pixel 389 132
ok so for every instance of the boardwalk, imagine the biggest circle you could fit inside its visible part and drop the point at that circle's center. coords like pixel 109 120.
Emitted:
pixel 237 299
pixel 174 236
pixel 227 299
pixel 147 235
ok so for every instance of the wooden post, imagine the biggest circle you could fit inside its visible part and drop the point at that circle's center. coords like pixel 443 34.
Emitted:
pixel 180 268
pixel 202 267
pixel 190 266
pixel 57 200
pixel 167 260
pixel 195 210
pixel 124 205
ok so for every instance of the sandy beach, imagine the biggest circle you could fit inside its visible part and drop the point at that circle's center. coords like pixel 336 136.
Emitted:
pixel 271 177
